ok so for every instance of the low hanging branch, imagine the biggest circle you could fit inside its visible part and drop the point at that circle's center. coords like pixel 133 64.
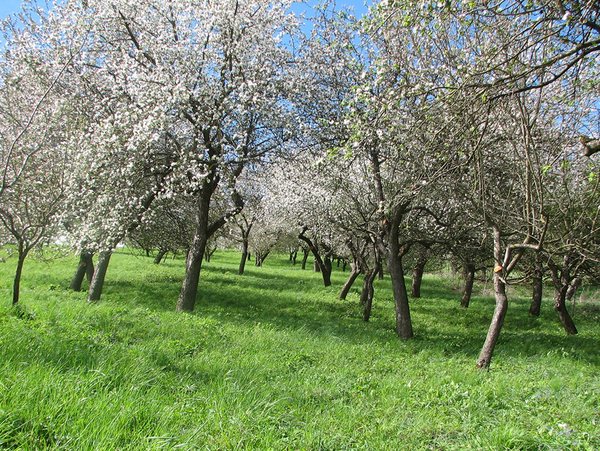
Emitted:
pixel 508 265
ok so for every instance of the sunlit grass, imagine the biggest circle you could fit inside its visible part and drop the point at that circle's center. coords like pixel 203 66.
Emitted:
pixel 273 361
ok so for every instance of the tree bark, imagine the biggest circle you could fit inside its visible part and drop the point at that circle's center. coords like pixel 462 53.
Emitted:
pixel 305 253
pixel 85 268
pixel 260 258
pixel 485 356
pixel 244 256
pixel 468 289
pixel 537 290
pixel 97 283
pixel 403 320
pixel 560 305
pixel 417 278
pixel 189 287
pixel 23 251
pixel 561 277
pixel 394 262
pixel 159 256
pixel 354 273
pixel 367 293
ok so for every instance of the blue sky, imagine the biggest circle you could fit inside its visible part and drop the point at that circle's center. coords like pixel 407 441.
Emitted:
pixel 8 7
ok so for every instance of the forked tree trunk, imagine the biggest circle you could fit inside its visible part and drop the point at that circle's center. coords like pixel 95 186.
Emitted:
pixel 561 277
pixel 324 266
pixel 537 290
pixel 260 258
pixel 469 273
pixel 85 268
pixel 97 283
pixel 485 356
pixel 354 273
pixel 417 278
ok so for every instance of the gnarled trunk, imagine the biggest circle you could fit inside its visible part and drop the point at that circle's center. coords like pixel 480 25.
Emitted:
pixel 561 277
pixel 366 296
pixel 560 305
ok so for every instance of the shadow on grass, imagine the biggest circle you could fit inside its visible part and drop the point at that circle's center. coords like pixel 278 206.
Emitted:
pixel 296 299
pixel 288 297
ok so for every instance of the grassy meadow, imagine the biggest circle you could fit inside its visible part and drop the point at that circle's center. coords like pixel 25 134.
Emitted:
pixel 273 361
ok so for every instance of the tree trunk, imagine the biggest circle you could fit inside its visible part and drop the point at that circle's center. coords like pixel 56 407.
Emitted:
pixel 191 279
pixel 316 267
pixel 403 320
pixel 304 257
pixel 294 258
pixel 562 281
pixel 23 251
pixel 97 283
pixel 244 256
pixel 354 273
pixel 468 289
pixel 394 262
pixel 367 293
pixel 560 305
pixel 537 290
pixel 485 355
pixel 85 268
pixel 159 256
pixel 417 278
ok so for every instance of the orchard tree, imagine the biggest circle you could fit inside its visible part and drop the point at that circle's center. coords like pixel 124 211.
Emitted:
pixel 35 116
pixel 186 94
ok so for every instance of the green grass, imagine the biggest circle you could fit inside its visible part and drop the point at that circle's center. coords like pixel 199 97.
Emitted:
pixel 273 361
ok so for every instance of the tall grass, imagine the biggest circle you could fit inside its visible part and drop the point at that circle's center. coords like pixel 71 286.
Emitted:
pixel 273 361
